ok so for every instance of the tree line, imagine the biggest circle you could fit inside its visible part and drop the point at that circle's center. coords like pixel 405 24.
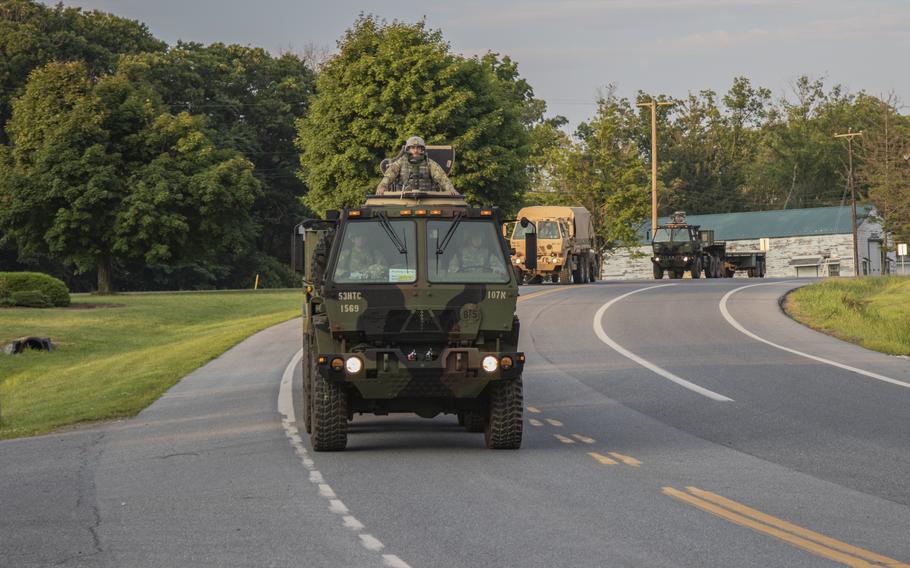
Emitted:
pixel 129 163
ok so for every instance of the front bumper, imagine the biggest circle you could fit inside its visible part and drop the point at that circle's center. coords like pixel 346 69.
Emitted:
pixel 388 373
pixel 673 260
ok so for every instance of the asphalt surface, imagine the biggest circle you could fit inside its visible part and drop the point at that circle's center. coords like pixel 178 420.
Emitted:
pixel 657 433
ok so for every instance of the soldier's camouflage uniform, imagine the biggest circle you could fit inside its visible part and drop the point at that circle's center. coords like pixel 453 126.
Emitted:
pixel 473 259
pixel 424 175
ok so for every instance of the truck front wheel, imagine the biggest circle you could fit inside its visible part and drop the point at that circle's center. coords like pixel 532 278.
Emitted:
pixel 658 272
pixel 329 416
pixel 505 421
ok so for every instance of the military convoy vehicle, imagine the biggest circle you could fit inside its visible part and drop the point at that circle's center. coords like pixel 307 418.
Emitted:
pixel 409 306
pixel 679 247
pixel 566 245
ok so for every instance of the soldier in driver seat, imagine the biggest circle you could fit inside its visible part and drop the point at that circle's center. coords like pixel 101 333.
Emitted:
pixel 474 256
pixel 415 171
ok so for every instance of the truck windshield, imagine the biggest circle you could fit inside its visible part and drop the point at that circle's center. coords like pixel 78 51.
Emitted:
pixel 545 230
pixel 473 255
pixel 678 235
pixel 369 254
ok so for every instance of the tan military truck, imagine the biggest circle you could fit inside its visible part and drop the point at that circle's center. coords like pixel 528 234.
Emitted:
pixel 567 250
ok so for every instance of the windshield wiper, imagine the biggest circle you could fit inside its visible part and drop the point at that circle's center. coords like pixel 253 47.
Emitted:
pixel 441 248
pixel 396 240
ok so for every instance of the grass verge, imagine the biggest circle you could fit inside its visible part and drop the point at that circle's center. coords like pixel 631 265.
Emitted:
pixel 872 311
pixel 113 361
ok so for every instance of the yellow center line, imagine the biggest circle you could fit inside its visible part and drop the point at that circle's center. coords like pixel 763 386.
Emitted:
pixel 550 291
pixel 554 422
pixel 584 439
pixel 602 459
pixel 795 529
pixel 628 460
pixel 563 439
pixel 797 541
pixel 534 422
pixel 534 409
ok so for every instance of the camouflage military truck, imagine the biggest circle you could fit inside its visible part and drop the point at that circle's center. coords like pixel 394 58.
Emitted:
pixel 410 307
pixel 679 247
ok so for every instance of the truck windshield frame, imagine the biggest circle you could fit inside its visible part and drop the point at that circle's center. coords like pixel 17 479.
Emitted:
pixel 368 253
pixel 672 235
pixel 473 256
pixel 545 230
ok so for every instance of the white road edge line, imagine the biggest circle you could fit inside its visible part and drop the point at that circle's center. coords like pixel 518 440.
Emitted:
pixel 602 335
pixel 289 421
pixel 732 321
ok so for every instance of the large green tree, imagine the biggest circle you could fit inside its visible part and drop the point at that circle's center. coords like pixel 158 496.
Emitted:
pixel 391 81
pixel 32 34
pixel 604 171
pixel 100 171
pixel 884 168
pixel 250 100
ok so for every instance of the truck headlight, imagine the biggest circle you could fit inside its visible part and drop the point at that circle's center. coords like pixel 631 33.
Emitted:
pixel 506 362
pixel 489 363
pixel 353 365
pixel 685 259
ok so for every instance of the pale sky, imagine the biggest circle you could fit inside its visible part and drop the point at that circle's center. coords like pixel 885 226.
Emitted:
pixel 568 50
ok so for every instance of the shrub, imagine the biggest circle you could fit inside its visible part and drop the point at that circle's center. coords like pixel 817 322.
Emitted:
pixel 54 291
pixel 31 299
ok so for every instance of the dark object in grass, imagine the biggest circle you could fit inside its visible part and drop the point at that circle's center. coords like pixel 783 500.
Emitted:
pixel 23 343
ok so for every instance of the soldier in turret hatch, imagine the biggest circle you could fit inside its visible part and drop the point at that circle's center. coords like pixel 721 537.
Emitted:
pixel 414 171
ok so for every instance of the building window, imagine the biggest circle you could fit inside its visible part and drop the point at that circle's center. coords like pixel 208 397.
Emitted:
pixel 764 244
pixel 834 269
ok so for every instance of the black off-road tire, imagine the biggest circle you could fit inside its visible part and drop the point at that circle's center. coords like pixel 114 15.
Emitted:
pixel 329 416
pixel 474 421
pixel 658 272
pixel 505 422
pixel 696 270
pixel 308 397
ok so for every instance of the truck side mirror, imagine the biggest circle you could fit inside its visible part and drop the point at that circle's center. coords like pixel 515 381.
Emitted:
pixel 530 250
pixel 298 238
pixel 524 222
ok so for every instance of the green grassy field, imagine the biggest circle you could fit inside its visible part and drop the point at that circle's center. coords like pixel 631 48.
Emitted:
pixel 112 362
pixel 871 311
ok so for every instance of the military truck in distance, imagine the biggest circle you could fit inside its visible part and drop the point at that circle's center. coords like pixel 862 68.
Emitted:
pixel 679 247
pixel 567 249
pixel 409 306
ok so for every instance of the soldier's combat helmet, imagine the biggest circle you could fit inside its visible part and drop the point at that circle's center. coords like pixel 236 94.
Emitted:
pixel 415 141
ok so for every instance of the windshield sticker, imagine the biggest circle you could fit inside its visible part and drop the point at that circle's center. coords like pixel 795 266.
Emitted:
pixel 402 275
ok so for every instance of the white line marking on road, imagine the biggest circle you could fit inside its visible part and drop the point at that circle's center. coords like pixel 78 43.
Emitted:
pixel 370 542
pixel 732 321
pixel 336 506
pixel 602 335
pixel 393 561
pixel 584 439
pixel 288 422
pixel 563 439
pixel 533 409
pixel 352 523
pixel 534 422
pixel 554 422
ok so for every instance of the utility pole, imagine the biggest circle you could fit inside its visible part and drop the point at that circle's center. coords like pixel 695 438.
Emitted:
pixel 654 104
pixel 850 135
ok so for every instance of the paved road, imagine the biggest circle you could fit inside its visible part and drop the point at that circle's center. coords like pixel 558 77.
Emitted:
pixel 661 430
